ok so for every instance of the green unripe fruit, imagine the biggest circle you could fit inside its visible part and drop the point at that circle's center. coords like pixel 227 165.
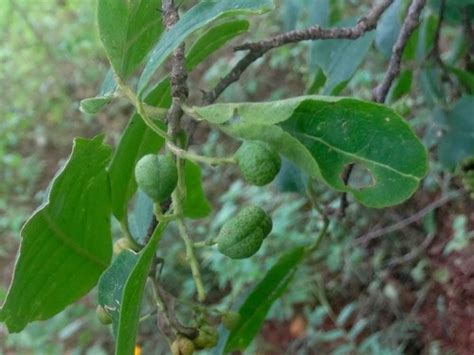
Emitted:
pixel 156 176
pixel 207 338
pixel 241 236
pixel 182 346
pixel 230 320
pixel 103 316
pixel 123 244
pixel 258 163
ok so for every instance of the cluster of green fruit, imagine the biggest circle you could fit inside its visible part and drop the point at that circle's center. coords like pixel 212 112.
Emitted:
pixel 241 236
pixel 207 337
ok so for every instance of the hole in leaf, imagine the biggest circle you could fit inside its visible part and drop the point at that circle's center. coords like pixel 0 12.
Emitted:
pixel 357 176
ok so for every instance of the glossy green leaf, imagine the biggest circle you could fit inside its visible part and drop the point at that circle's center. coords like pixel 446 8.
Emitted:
pixel 196 205
pixel 197 17
pixel 256 306
pixel 66 244
pixel 214 39
pixel 322 135
pixel 128 30
pixel 93 105
pixel 457 142
pixel 137 140
pixel 340 58
pixel 131 301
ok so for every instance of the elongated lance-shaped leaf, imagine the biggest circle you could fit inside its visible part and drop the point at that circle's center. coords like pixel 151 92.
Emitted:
pixel 66 244
pixel 323 135
pixel 256 306
pixel 197 17
pixel 132 296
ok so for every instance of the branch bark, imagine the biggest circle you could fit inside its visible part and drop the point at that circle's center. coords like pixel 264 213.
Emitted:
pixel 258 49
pixel 394 67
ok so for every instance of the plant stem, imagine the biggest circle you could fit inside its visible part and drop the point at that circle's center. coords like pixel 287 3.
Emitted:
pixel 142 109
pixel 181 153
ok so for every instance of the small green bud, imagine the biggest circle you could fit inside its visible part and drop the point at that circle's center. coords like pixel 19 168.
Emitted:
pixel 230 320
pixel 182 346
pixel 241 236
pixel 207 338
pixel 258 163
pixel 156 176
pixel 103 316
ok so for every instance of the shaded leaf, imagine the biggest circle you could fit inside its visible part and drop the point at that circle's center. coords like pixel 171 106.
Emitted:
pixel 196 205
pixel 340 58
pixel 214 39
pixel 66 244
pixel 255 308
pixel 388 29
pixel 197 17
pixel 458 140
pixel 465 78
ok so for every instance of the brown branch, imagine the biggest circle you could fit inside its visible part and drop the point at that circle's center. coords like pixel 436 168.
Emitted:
pixel 258 49
pixel 178 76
pixel 409 25
pixel 406 222
pixel 365 24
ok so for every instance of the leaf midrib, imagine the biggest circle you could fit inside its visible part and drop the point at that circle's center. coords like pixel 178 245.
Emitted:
pixel 359 158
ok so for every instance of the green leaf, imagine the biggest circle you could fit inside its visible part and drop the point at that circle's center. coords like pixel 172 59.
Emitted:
pixel 128 30
pixel 93 105
pixel 458 140
pixel 322 135
pixel 255 308
pixel 66 244
pixel 137 140
pixel 465 78
pixel 214 39
pixel 112 283
pixel 388 29
pixel 340 58
pixel 141 216
pixel 197 17
pixel 401 87
pixel 131 301
pixel 196 205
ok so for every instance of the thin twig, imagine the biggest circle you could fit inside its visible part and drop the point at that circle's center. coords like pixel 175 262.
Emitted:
pixel 407 221
pixel 258 49
pixel 409 25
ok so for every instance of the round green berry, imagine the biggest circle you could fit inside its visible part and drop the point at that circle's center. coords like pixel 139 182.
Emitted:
pixel 102 315
pixel 182 346
pixel 156 176
pixel 207 338
pixel 241 236
pixel 230 320
pixel 258 163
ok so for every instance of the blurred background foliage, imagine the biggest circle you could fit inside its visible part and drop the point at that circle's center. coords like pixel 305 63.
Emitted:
pixel 397 281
